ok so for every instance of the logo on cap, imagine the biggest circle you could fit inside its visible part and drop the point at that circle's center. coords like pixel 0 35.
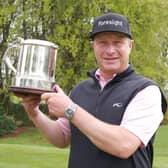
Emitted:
pixel 110 22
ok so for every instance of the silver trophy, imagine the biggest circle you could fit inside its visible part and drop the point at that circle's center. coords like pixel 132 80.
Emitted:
pixel 35 70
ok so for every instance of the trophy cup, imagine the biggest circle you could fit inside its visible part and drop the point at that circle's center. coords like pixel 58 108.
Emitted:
pixel 35 72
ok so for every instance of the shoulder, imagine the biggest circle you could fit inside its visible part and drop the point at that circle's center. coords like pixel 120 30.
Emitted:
pixel 143 79
pixel 141 82
pixel 150 93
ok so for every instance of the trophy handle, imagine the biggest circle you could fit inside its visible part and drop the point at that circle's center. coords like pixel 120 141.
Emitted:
pixel 7 59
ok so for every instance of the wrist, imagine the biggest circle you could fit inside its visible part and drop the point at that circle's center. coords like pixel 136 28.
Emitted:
pixel 70 111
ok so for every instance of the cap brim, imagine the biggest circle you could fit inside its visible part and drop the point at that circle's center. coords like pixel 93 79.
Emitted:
pixel 92 35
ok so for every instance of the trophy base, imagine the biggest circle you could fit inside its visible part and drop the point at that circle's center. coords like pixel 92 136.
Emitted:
pixel 28 91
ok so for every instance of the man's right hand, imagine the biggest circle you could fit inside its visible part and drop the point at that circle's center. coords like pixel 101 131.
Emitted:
pixel 31 104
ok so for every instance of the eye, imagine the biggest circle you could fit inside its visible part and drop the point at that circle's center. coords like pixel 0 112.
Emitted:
pixel 102 42
pixel 118 43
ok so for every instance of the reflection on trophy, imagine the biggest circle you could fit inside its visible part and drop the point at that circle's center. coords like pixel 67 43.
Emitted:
pixel 35 70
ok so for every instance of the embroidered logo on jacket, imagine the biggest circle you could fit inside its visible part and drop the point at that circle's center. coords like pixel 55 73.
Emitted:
pixel 117 105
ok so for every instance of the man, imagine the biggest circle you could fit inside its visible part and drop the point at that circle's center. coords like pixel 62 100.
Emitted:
pixel 110 119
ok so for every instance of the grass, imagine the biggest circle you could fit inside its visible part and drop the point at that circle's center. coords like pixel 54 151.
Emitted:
pixel 161 148
pixel 31 150
pixel 26 156
pixel 31 136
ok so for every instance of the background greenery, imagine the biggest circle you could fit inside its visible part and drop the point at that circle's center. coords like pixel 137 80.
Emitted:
pixel 161 148
pixel 31 150
pixel 68 24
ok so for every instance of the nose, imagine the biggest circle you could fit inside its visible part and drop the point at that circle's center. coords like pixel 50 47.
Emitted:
pixel 110 49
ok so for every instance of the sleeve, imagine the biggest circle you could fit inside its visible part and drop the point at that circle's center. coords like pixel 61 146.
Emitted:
pixel 144 114
pixel 64 126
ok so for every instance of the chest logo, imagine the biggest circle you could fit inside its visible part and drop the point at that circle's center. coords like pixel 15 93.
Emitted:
pixel 117 105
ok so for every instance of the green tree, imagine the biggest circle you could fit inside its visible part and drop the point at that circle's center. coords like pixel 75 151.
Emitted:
pixel 7 15
pixel 68 23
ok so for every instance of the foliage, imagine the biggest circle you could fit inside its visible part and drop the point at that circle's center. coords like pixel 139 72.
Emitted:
pixel 7 125
pixel 165 121
pixel 7 16
pixel 68 23
pixel 19 115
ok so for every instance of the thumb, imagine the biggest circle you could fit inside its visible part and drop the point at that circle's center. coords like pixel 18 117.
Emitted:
pixel 58 89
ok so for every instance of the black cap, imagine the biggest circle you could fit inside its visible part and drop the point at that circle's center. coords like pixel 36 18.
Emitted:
pixel 111 22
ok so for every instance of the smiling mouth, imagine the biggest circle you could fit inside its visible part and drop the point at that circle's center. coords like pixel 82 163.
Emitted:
pixel 111 58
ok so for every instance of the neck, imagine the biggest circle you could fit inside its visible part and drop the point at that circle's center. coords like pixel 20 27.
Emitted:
pixel 107 76
pixel 110 75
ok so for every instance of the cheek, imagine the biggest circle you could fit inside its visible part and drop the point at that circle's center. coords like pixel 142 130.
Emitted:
pixel 125 51
pixel 97 53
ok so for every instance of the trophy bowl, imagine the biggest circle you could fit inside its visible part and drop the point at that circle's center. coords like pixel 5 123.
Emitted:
pixel 35 68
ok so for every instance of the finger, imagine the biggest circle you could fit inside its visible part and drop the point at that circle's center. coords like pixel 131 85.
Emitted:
pixel 19 95
pixel 54 88
pixel 30 99
pixel 46 96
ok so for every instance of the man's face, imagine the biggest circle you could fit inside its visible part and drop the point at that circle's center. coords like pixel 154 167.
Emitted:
pixel 112 51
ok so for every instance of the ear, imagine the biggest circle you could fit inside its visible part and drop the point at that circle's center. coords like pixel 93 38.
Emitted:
pixel 131 44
